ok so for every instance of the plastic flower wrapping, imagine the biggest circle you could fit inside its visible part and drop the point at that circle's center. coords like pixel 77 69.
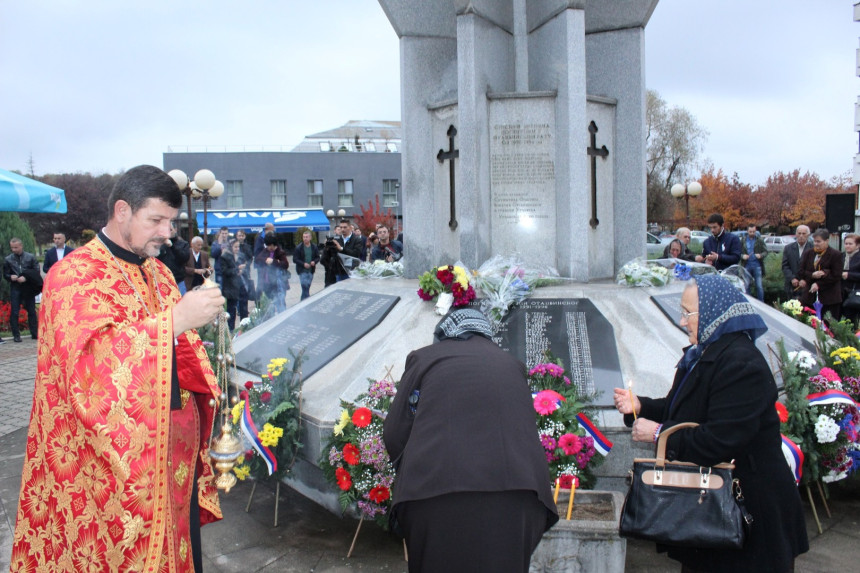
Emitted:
pixel 570 449
pixel 355 459
pixel 642 273
pixel 447 279
pixel 377 270
pixel 269 415
pixel 504 281
pixel 821 410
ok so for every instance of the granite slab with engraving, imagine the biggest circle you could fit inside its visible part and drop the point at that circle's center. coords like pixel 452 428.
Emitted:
pixel 324 328
pixel 573 330
pixel 670 304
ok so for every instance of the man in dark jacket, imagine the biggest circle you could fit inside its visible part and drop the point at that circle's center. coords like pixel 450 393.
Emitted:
pixel 56 253
pixel 305 257
pixel 348 245
pixel 174 253
pixel 820 275
pixel 722 249
pixel 791 256
pixel 753 252
pixel 22 271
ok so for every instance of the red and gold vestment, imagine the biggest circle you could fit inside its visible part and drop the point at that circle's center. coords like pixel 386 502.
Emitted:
pixel 109 467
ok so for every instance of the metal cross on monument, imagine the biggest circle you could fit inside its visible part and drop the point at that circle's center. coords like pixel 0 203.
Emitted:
pixel 450 155
pixel 594 152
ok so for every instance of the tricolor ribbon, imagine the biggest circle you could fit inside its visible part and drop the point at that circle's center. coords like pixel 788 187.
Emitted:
pixel 794 456
pixel 829 397
pixel 601 443
pixel 250 431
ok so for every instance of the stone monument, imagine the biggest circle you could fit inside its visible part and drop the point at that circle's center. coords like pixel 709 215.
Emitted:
pixel 535 114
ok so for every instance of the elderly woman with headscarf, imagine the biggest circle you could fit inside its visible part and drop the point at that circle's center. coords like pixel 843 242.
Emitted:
pixel 723 383
pixel 472 491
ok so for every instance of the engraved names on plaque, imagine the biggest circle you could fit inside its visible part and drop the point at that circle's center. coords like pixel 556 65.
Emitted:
pixel 324 328
pixel 522 175
pixel 573 330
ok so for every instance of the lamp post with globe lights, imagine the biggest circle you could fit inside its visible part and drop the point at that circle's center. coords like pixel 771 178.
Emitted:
pixel 691 189
pixel 205 187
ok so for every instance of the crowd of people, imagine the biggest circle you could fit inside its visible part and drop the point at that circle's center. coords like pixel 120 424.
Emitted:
pixel 813 270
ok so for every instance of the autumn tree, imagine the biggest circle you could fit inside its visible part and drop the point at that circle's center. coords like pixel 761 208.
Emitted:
pixel 789 199
pixel 674 141
pixel 86 197
pixel 373 214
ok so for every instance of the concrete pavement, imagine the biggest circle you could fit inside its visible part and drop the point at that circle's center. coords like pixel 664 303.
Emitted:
pixel 309 538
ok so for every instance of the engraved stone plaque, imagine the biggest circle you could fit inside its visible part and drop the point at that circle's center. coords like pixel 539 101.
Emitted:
pixel 573 330
pixel 324 328
pixel 522 177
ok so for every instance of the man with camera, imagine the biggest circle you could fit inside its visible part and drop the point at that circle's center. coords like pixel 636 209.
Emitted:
pixel 386 250
pixel 345 246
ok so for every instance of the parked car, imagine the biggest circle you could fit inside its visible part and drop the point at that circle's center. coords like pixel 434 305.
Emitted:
pixel 654 245
pixel 698 236
pixel 777 244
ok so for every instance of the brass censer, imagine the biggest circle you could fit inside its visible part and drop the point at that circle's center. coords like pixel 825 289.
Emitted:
pixel 225 447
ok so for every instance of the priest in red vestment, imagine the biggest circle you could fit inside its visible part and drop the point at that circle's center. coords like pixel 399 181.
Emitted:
pixel 117 474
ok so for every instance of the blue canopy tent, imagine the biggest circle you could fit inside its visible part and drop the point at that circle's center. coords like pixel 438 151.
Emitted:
pixel 253 220
pixel 19 193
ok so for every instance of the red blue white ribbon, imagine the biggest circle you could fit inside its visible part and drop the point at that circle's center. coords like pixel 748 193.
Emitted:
pixel 794 456
pixel 250 431
pixel 601 443
pixel 830 397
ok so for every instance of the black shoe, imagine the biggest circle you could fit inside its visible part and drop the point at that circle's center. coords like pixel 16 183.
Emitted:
pixel 17 339
pixel 2 341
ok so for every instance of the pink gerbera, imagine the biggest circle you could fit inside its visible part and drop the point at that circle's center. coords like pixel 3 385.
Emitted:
pixel 830 374
pixel 547 401
pixel 570 444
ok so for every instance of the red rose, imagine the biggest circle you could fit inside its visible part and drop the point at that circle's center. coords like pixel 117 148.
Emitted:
pixel 379 494
pixel 361 417
pixel 249 385
pixel 782 412
pixel 351 454
pixel 249 453
pixel 344 480
pixel 243 395
pixel 265 397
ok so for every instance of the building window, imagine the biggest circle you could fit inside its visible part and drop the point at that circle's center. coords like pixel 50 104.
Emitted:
pixel 344 193
pixel 233 190
pixel 389 192
pixel 391 147
pixel 279 193
pixel 315 193
pixel 325 146
pixel 369 146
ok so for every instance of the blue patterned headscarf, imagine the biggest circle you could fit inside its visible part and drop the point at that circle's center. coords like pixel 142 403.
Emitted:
pixel 722 310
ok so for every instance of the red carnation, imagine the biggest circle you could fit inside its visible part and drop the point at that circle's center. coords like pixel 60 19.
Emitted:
pixel 344 480
pixel 423 295
pixel 361 417
pixel 379 494
pixel 265 397
pixel 351 454
pixel 249 385
pixel 783 412
pixel 249 453
pixel 445 276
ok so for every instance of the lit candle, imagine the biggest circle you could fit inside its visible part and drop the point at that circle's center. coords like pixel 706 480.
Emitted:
pixel 557 485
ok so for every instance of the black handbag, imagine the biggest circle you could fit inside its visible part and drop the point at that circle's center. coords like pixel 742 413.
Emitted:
pixel 683 504
pixel 852 300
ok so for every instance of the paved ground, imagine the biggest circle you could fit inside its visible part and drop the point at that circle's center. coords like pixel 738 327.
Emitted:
pixel 309 538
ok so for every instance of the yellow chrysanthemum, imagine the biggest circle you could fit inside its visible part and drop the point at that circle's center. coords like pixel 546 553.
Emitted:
pixel 461 277
pixel 242 472
pixel 270 435
pixel 237 411
pixel 341 424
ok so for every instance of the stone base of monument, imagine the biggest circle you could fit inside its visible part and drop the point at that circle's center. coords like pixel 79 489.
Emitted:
pixel 589 541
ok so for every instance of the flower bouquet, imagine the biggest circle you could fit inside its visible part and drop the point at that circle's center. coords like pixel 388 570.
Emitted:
pixel 639 273
pixel 568 437
pixel 377 270
pixel 446 285
pixel 356 460
pixel 269 414
pixel 506 281
pixel 820 414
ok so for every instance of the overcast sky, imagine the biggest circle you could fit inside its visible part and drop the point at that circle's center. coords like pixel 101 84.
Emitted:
pixel 103 85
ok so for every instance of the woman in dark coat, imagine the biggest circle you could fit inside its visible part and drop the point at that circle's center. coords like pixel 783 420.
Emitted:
pixel 231 285
pixel 272 265
pixel 472 491
pixel 820 274
pixel 851 273
pixel 723 383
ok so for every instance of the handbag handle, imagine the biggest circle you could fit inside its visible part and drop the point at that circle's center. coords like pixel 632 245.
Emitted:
pixel 664 437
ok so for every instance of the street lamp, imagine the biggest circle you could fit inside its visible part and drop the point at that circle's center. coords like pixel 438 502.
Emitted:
pixel 691 189
pixel 203 186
